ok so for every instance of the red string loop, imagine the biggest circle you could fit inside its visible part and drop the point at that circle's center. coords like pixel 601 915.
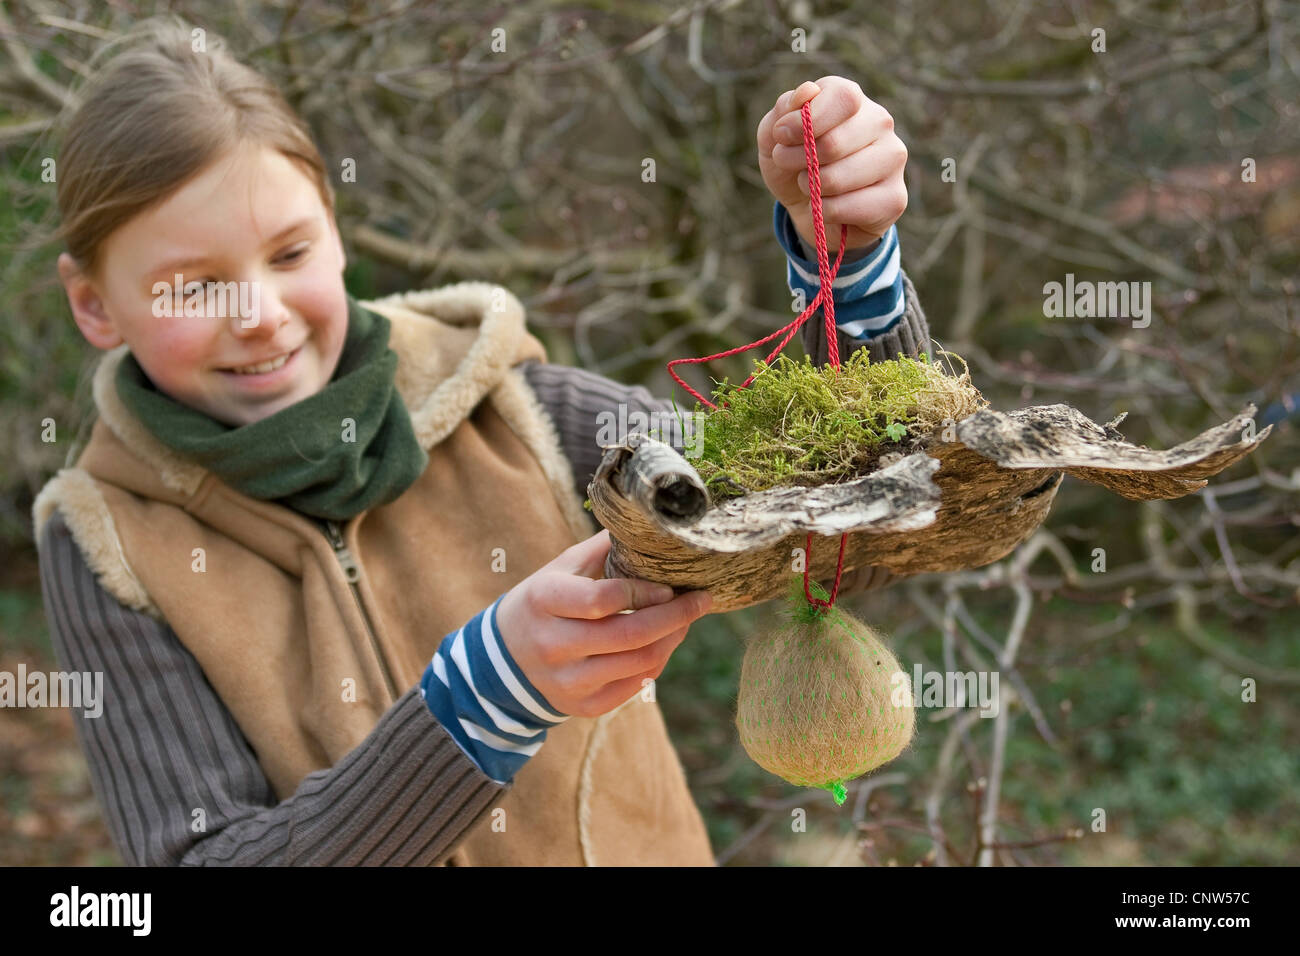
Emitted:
pixel 839 569
pixel 825 299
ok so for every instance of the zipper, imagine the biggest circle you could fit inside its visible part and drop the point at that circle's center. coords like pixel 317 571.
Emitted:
pixel 352 571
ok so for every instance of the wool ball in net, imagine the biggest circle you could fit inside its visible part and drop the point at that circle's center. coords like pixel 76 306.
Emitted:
pixel 822 700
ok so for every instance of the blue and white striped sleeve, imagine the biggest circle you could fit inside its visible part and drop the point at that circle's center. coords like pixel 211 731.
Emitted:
pixel 869 296
pixel 478 693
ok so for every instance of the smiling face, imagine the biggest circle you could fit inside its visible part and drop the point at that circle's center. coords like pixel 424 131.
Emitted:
pixel 254 218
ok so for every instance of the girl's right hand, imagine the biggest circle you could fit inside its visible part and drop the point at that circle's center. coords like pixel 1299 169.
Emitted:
pixel 565 631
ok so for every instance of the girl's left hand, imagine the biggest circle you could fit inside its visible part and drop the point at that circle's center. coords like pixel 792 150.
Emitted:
pixel 860 159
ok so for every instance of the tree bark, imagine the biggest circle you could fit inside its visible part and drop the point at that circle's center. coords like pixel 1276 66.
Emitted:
pixel 948 506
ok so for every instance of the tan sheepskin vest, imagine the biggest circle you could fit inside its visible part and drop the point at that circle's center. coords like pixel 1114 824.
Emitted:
pixel 307 662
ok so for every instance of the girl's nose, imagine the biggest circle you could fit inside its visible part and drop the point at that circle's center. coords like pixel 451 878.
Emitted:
pixel 261 311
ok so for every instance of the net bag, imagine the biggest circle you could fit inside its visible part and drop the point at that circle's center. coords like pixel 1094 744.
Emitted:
pixel 822 700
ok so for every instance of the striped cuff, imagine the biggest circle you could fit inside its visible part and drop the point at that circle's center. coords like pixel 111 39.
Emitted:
pixel 478 693
pixel 868 293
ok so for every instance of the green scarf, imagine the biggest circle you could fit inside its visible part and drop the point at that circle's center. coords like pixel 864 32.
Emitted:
pixel 298 456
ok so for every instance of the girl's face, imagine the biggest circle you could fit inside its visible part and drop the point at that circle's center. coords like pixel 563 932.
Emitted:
pixel 253 219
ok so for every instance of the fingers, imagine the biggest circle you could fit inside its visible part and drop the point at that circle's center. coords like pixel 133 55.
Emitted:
pixel 835 104
pixel 855 133
pixel 576 597
pixel 793 100
pixel 880 162
pixel 790 100
pixel 843 121
pixel 872 210
pixel 611 696
pixel 621 674
pixel 625 632
pixel 586 558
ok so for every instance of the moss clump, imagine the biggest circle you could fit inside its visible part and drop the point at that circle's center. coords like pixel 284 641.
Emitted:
pixel 796 424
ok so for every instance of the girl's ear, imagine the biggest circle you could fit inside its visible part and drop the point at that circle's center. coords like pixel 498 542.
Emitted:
pixel 87 306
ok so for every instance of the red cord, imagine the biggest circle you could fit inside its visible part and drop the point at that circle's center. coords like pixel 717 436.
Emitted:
pixel 825 298
pixel 839 569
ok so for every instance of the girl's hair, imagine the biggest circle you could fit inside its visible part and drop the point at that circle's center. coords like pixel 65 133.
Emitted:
pixel 168 104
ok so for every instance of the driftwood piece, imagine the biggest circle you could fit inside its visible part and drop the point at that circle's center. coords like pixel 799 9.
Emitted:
pixel 950 506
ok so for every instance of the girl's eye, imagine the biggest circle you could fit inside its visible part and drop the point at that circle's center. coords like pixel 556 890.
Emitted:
pixel 295 255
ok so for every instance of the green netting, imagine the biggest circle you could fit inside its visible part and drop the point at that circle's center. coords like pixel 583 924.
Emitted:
pixel 822 700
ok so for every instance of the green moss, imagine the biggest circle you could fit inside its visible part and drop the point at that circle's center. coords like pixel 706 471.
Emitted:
pixel 796 424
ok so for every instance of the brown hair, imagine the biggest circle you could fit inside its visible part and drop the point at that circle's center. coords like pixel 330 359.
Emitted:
pixel 159 112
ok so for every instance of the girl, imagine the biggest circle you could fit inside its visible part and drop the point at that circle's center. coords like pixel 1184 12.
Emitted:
pixel 330 556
